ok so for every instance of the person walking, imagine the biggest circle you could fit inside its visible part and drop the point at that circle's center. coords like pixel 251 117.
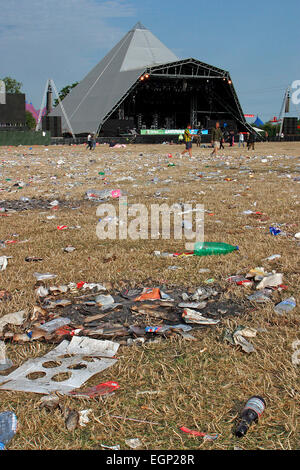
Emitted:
pixel 89 142
pixel 216 137
pixel 241 140
pixel 251 141
pixel 188 141
pixel 93 142
pixel 222 144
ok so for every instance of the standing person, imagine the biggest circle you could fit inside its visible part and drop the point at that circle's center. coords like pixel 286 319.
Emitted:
pixel 89 142
pixel 251 141
pixel 180 138
pixel 188 141
pixel 93 142
pixel 222 140
pixel 231 139
pixel 241 140
pixel 267 136
pixel 198 137
pixel 216 137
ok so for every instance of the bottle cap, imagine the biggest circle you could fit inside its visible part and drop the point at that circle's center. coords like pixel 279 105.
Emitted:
pixel 241 430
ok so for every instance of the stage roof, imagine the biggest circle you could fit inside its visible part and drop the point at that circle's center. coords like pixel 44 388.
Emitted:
pixel 90 104
pixel 93 98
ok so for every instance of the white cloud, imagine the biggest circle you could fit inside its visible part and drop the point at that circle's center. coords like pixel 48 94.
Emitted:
pixel 59 39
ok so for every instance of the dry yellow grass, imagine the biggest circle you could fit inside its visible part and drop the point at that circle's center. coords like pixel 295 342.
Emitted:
pixel 200 390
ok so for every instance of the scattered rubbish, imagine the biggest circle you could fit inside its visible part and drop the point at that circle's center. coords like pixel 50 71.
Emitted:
pixel 191 316
pixel 261 296
pixel 71 419
pixel 133 443
pixel 272 258
pixel 49 402
pixel 53 325
pixel 285 306
pixel 84 417
pixel 253 410
pixel 164 328
pixel 30 259
pixel 240 281
pixel 111 447
pixel 16 318
pixel 98 390
pixel 212 248
pixel 3 263
pixel 71 362
pixel 238 338
pixel 149 294
pixel 43 277
pixel 272 280
pixel 4 295
pixel 8 428
pixel 208 437
pixel 5 363
pixel 69 249
pixel 193 305
pixel 98 196
pixel 274 231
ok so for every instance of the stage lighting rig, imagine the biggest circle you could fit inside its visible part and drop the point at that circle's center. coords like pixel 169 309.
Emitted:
pixel 144 77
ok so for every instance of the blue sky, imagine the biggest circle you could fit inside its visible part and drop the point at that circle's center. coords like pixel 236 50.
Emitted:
pixel 257 41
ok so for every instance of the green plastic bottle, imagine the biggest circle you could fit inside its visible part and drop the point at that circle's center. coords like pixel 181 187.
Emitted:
pixel 212 248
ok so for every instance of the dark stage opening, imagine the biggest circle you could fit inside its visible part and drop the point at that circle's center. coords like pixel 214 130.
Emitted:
pixel 167 103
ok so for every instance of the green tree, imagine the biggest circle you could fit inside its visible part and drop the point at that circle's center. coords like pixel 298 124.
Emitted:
pixel 64 92
pixel 30 121
pixel 270 128
pixel 12 85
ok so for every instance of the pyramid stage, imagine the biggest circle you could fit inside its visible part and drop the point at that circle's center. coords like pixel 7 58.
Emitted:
pixel 141 87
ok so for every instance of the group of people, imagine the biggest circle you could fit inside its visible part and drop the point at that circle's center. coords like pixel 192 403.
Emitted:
pixel 91 142
pixel 217 140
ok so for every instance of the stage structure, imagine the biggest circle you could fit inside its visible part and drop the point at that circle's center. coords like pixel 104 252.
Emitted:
pixel 288 125
pixel 48 122
pixel 142 85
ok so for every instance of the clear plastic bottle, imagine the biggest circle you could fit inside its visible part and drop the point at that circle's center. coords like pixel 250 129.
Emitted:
pixel 254 408
pixel 212 248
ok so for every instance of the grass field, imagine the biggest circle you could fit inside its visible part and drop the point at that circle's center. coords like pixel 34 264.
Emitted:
pixel 202 385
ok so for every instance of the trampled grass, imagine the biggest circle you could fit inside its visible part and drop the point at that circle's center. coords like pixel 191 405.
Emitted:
pixel 202 385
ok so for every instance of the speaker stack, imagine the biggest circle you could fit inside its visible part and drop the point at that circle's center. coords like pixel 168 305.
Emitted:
pixel 52 124
pixel 290 126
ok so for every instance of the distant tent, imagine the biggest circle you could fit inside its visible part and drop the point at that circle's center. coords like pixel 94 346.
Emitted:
pixel 35 112
pixel 258 122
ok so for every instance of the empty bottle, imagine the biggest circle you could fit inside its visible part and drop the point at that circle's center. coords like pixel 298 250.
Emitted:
pixel 212 248
pixel 254 408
